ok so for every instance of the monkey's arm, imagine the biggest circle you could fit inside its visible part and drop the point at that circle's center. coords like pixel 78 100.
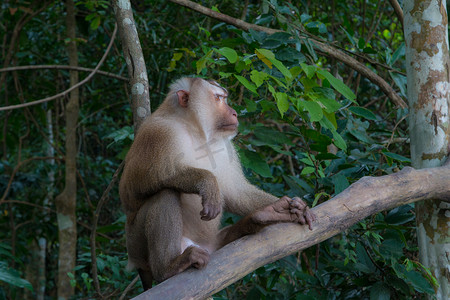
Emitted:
pixel 246 198
pixel 192 180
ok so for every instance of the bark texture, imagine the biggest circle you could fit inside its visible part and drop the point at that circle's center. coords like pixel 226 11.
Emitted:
pixel 368 196
pixel 134 58
pixel 66 201
pixel 427 66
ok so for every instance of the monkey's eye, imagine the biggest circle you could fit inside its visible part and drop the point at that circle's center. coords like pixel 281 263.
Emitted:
pixel 220 98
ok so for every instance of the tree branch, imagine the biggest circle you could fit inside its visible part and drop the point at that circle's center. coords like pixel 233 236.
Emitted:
pixel 367 196
pixel 320 46
pixel 62 67
pixel 398 10
pixel 62 94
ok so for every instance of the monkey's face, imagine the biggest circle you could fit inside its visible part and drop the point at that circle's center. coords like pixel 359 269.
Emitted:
pixel 206 101
pixel 225 117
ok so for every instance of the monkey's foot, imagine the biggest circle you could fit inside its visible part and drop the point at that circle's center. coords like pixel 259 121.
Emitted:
pixel 198 257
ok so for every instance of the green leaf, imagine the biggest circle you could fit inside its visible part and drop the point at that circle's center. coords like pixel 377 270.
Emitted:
pixel 285 71
pixel 339 141
pixel 364 259
pixel 398 53
pixel 250 86
pixel 251 105
pixel 361 43
pixel 258 77
pixel 95 23
pixel 253 160
pixel 314 110
pixel 338 85
pixel 282 102
pixel 308 69
pixel 363 112
pixel 310 47
pixel 350 38
pixel 399 215
pixel 369 50
pixel 120 135
pixel 302 183
pixel 10 276
pixel 280 36
pixel 361 135
pixel 340 182
pixel 326 123
pixel 331 117
pixel 229 53
pixel 331 105
pixel 268 57
pixel 271 136
pixel 397 157
pixel 201 63
pixel 380 291
pixel 400 82
pixel 307 170
pixel 295 71
pixel 264 55
pixel 419 282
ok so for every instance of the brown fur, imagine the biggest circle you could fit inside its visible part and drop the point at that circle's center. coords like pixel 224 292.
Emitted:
pixel 180 172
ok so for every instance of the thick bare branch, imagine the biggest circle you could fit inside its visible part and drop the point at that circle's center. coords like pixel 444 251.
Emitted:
pixel 134 58
pixel 367 196
pixel 398 10
pixel 321 47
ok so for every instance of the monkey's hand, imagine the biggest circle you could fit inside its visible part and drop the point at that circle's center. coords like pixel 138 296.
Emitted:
pixel 286 209
pixel 212 202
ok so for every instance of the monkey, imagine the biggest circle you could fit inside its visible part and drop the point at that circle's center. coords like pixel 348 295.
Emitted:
pixel 181 172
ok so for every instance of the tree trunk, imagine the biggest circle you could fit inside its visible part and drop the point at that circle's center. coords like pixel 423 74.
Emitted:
pixel 66 201
pixel 427 66
pixel 134 58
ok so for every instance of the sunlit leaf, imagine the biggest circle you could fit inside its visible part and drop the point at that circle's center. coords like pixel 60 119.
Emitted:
pixel 229 53
pixel 250 86
pixel 314 109
pixel 338 85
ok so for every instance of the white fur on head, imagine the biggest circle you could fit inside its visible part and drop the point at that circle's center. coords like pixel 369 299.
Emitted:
pixel 184 84
pixel 201 111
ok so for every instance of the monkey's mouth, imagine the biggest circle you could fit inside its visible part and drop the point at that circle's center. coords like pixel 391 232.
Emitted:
pixel 229 127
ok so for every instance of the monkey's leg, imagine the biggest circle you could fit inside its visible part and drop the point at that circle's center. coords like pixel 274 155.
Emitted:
pixel 163 230
pixel 283 210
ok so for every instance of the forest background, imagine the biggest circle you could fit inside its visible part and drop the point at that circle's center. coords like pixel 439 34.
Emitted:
pixel 311 124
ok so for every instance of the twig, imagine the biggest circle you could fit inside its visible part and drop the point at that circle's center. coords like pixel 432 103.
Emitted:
pixel 62 67
pixel 54 211
pixel 94 227
pixel 321 47
pixel 129 287
pixel 62 94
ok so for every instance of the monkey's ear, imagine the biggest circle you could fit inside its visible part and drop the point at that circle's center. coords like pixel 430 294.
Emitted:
pixel 183 98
